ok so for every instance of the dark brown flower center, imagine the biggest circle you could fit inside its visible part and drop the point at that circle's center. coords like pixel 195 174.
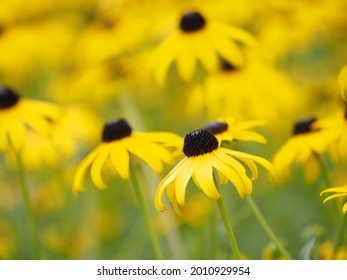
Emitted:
pixel 303 126
pixel 192 21
pixel 8 98
pixel 199 142
pixel 226 66
pixel 216 127
pixel 115 130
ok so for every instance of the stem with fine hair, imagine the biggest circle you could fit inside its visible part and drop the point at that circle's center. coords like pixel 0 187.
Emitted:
pixel 147 218
pixel 266 227
pixel 28 207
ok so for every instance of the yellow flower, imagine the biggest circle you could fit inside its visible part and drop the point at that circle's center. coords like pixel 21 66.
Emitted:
pixel 203 155
pixel 18 115
pixel 199 39
pixel 326 251
pixel 225 129
pixel 303 148
pixel 339 192
pixel 118 142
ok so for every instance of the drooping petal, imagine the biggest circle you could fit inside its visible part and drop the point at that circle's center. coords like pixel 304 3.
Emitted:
pixel 95 169
pixel 336 189
pixel 263 162
pixel 82 168
pixel 334 196
pixel 168 179
pixel 120 159
pixel 233 170
pixel 204 175
pixel 182 179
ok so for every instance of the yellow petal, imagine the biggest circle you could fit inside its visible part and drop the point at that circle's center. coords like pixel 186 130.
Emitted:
pixel 344 208
pixel 235 33
pixel 153 154
pixel 261 161
pixel 167 180
pixel 186 60
pixel 336 189
pixel 82 167
pixel 204 175
pixel 182 179
pixel 95 169
pixel 229 51
pixel 250 136
pixel 164 57
pixel 120 159
pixel 16 135
pixel 233 170
pixel 205 53
pixel 334 196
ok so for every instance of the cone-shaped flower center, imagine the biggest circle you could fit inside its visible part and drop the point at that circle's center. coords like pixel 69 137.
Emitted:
pixel 303 126
pixel 8 98
pixel 199 142
pixel 216 127
pixel 226 66
pixel 115 130
pixel 192 21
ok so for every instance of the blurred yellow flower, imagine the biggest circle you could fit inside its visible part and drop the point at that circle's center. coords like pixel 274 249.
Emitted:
pixel 254 91
pixel 203 155
pixel 342 78
pixel 339 192
pixel 337 125
pixel 118 142
pixel 303 148
pixel 77 127
pixel 326 252
pixel 226 129
pixel 18 115
pixel 201 40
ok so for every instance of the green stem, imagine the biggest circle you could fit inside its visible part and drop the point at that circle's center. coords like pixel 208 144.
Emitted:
pixel 28 207
pixel 144 210
pixel 324 171
pixel 267 228
pixel 229 230
pixel 212 221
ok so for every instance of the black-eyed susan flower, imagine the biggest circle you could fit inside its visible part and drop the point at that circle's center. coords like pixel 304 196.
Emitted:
pixel 203 155
pixel 226 129
pixel 302 148
pixel 118 143
pixel 199 39
pixel 337 192
pixel 18 115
